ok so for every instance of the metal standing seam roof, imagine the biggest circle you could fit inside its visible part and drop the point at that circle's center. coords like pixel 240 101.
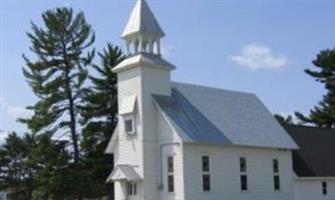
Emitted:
pixel 210 115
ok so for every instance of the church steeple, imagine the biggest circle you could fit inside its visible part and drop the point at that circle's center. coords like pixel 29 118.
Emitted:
pixel 142 32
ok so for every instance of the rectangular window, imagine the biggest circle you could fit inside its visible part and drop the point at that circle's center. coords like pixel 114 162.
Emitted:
pixel 129 126
pixel 205 163
pixel 276 182
pixel 243 165
pixel 275 164
pixel 170 170
pixel 170 164
pixel 131 188
pixel 134 189
pixel 276 177
pixel 244 182
pixel 206 177
pixel 243 174
pixel 324 188
pixel 170 183
pixel 206 182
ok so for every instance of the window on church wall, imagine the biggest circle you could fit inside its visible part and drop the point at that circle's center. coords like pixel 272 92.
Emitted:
pixel 131 188
pixel 324 188
pixel 276 176
pixel 243 174
pixel 275 164
pixel 206 177
pixel 129 126
pixel 170 174
pixel 127 111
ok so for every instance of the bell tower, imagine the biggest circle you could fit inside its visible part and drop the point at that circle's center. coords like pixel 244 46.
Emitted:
pixel 141 75
pixel 142 33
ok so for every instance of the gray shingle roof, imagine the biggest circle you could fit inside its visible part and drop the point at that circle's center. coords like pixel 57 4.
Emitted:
pixel 315 158
pixel 209 115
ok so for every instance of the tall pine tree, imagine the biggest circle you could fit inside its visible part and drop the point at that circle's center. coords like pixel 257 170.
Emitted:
pixel 58 73
pixel 323 115
pixel 100 118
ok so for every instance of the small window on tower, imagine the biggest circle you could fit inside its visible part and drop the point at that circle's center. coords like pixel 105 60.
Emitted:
pixel 129 126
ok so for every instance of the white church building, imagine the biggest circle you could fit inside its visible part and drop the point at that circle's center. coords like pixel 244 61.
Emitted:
pixel 177 141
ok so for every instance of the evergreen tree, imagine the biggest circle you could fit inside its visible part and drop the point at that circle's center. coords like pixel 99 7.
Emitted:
pixel 59 72
pixel 16 168
pixel 30 166
pixel 52 161
pixel 100 118
pixel 323 115
pixel 284 120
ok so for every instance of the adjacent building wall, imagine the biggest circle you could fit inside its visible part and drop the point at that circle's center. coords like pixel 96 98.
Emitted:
pixel 311 189
pixel 225 173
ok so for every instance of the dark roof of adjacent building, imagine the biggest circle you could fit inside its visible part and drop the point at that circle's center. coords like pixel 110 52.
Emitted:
pixel 316 156
pixel 209 115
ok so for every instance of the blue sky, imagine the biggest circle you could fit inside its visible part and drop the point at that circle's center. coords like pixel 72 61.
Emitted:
pixel 257 46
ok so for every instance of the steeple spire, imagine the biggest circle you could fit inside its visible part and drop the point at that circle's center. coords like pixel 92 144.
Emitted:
pixel 142 32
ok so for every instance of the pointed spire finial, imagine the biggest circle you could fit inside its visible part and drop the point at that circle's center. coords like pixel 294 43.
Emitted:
pixel 142 32
pixel 142 20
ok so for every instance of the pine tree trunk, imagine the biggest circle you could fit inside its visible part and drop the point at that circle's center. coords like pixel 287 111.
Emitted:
pixel 73 125
pixel 72 121
pixel 71 106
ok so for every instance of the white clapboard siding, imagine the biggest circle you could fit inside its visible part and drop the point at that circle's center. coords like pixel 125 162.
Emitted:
pixel 311 189
pixel 225 174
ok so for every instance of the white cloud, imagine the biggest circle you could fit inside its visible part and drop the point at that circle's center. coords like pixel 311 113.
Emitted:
pixel 3 136
pixel 255 56
pixel 18 112
pixel 66 4
pixel 167 51
pixel 13 111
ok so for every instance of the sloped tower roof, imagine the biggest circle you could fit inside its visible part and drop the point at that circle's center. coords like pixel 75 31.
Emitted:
pixel 142 20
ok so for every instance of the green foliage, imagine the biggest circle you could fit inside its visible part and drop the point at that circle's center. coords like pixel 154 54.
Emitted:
pixel 323 114
pixel 99 119
pixel 52 158
pixel 15 167
pixel 284 120
pixel 59 72
pixel 38 166
pixel 24 159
